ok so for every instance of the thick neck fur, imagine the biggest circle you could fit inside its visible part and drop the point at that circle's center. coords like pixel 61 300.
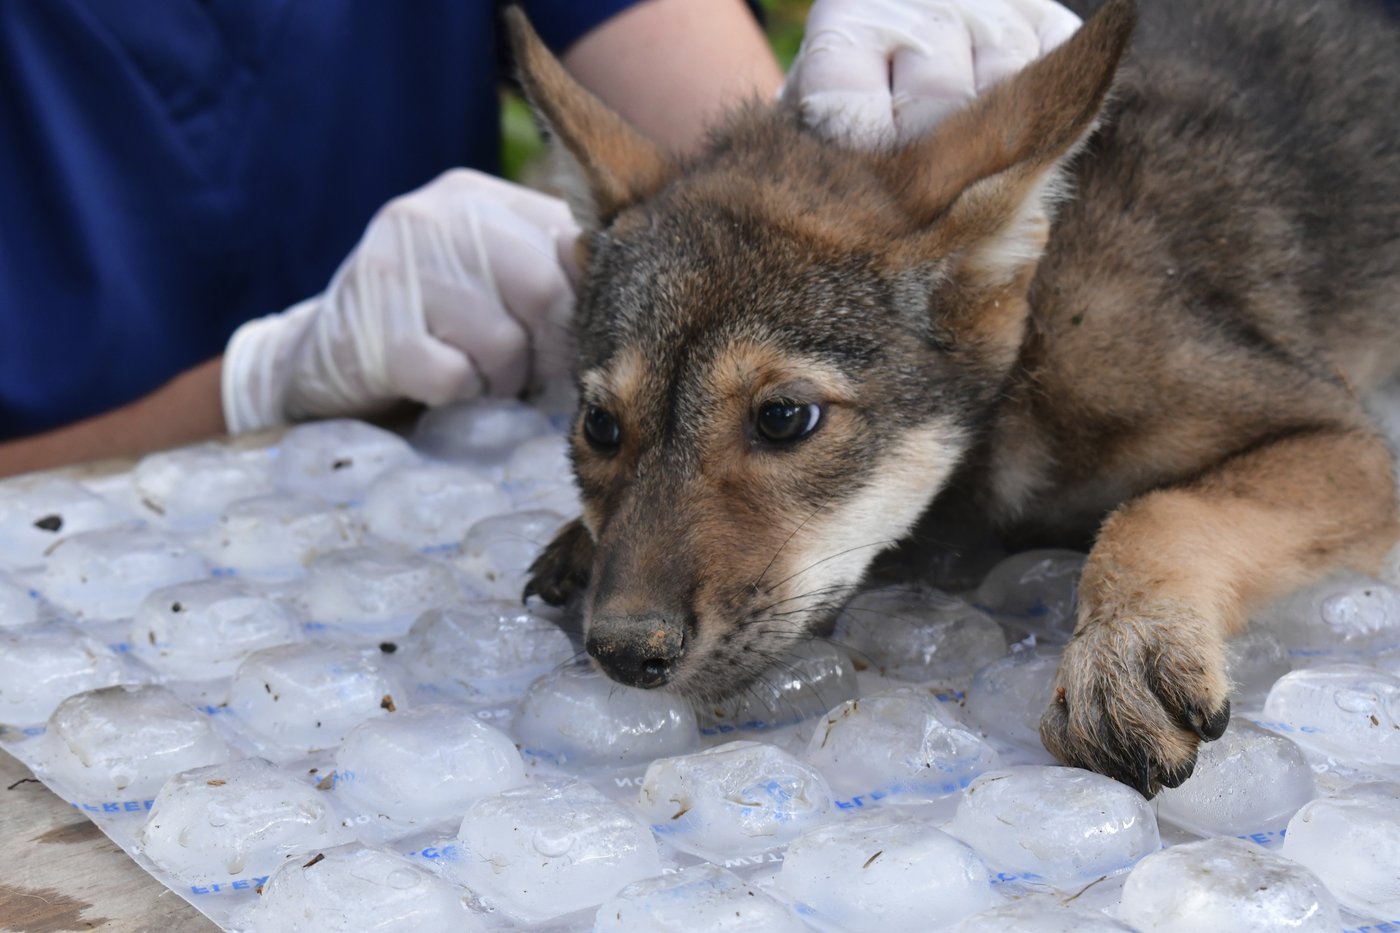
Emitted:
pixel 1197 296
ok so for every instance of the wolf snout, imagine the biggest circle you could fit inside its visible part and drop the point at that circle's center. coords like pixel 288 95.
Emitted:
pixel 637 650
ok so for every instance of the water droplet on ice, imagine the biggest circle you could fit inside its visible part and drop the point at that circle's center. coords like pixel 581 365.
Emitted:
pixel 1356 701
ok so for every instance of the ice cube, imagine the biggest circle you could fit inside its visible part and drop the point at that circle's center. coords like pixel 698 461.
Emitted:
pixel 902 746
pixel 425 764
pixel 1348 615
pixel 273 538
pixel 18 604
pixel 879 872
pixel 106 574
pixel 1225 884
pixel 494 648
pixel 39 668
pixel 499 550
pixel 549 849
pixel 540 475
pixel 1060 826
pixel 1383 406
pixel 1247 782
pixel 236 821
pixel 1255 660
pixel 38 511
pixel 561 498
pixel 430 506
pixel 123 743
pixel 806 681
pixel 202 630
pixel 1390 564
pixel 1008 696
pixel 1346 710
pixel 578 716
pixel 482 432
pixel 1037 916
pixel 1352 842
pixel 919 634
pixel 703 897
pixel 377 590
pixel 337 460
pixel 353 888
pixel 1038 590
pixel 736 799
pixel 542 460
pixel 308 696
pixel 192 486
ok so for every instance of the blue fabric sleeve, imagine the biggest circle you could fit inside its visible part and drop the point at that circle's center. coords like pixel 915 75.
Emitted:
pixel 169 170
pixel 561 23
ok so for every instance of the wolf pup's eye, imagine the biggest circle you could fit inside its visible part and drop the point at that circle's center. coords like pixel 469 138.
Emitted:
pixel 601 429
pixel 783 422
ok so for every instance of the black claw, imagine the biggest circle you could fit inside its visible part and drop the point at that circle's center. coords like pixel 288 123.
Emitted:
pixel 1137 775
pixel 1177 776
pixel 1211 727
pixel 1131 768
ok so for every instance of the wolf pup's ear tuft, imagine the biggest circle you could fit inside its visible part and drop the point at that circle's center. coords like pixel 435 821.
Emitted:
pixel 984 182
pixel 609 164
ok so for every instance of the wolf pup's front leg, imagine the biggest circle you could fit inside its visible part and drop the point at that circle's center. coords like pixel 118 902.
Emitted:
pixel 1174 573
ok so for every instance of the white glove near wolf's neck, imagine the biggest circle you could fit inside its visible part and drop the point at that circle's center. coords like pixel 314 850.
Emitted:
pixel 873 72
pixel 456 289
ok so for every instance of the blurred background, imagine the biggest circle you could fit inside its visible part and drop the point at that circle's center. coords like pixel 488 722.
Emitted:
pixel 522 147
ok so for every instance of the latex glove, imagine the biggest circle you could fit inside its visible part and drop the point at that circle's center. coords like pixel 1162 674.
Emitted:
pixel 457 289
pixel 873 72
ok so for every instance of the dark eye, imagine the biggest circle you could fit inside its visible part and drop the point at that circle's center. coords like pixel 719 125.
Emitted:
pixel 601 429
pixel 783 422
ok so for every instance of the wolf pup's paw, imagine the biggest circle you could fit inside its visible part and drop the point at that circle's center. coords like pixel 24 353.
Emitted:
pixel 561 571
pixel 1135 697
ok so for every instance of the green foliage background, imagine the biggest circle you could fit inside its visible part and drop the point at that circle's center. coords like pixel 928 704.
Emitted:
pixel 520 140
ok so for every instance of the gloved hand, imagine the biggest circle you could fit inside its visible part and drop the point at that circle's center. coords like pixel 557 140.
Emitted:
pixel 456 289
pixel 874 72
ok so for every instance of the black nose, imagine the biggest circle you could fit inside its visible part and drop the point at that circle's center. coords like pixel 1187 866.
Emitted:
pixel 639 651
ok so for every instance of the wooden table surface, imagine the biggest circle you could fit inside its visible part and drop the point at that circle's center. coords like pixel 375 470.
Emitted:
pixel 59 872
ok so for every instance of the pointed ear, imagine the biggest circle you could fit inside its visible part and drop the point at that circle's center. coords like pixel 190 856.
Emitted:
pixel 608 163
pixel 984 182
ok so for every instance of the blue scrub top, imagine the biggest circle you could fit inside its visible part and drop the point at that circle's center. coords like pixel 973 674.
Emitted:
pixel 172 168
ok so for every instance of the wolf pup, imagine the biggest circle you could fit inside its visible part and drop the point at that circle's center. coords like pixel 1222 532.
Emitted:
pixel 1130 295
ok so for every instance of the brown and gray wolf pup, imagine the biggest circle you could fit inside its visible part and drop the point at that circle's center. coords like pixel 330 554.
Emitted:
pixel 1130 296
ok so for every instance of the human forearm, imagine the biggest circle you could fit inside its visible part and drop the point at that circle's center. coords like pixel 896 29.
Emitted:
pixel 184 410
pixel 672 66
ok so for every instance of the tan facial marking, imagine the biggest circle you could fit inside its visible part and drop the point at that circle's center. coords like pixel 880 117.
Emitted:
pixel 619 385
pixel 745 375
pixel 619 388
pixel 836 546
pixel 751 366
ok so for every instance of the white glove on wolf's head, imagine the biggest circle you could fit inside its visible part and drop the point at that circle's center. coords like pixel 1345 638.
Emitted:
pixel 874 72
